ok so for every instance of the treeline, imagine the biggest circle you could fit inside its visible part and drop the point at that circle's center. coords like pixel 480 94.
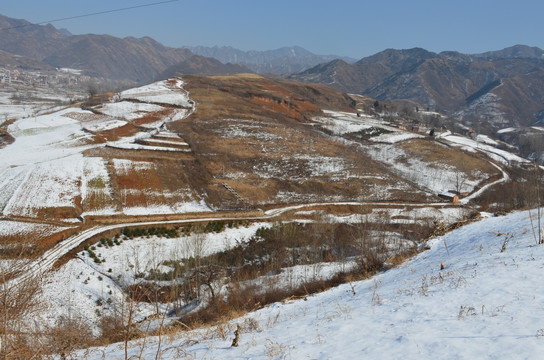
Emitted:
pixel 186 230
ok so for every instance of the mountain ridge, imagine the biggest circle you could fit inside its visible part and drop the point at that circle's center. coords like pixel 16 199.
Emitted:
pixel 448 81
pixel 287 59
pixel 141 59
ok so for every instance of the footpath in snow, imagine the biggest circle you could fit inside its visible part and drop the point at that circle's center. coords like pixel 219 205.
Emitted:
pixel 488 302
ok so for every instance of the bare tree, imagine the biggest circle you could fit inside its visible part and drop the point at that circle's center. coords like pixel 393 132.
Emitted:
pixel 460 179
pixel 19 335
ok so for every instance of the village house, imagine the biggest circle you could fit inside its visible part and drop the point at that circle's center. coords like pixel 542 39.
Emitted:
pixel 449 196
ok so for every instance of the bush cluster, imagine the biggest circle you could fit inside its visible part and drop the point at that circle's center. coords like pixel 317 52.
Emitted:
pixel 93 255
pixel 152 231
pixel 371 132
pixel 214 226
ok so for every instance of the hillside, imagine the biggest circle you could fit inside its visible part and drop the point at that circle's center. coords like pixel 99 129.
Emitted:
pixel 241 142
pixel 484 303
pixel 101 56
pixel 142 60
pixel 22 62
pixel 139 60
pixel 486 92
pixel 26 39
pixel 200 198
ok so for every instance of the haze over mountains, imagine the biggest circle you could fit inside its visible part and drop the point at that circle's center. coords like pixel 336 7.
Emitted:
pixel 285 60
pixel 487 91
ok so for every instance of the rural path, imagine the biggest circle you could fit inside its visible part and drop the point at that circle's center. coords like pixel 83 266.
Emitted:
pixel 50 257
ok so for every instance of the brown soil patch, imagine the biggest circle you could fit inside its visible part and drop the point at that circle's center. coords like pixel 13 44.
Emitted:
pixel 5 137
pixel 123 131
pixel 138 155
pixel 31 244
pixel 153 117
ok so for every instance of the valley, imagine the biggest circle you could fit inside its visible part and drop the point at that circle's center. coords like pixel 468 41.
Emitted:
pixel 196 199
pixel 177 183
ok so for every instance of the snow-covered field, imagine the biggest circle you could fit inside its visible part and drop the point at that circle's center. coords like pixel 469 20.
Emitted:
pixel 159 93
pixel 52 184
pixel 340 123
pixel 482 145
pixel 436 178
pixel 506 130
pixel 79 285
pixel 396 137
pixel 128 110
pixel 45 138
pixel 406 215
pixel 22 229
pixel 177 208
pixel 21 103
pixel 485 303
pixel 104 125
pixel 45 168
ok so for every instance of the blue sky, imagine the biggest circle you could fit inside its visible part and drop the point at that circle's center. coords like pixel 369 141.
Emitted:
pixel 355 28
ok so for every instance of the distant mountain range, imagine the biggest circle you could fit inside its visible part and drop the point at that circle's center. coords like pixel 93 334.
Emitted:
pixel 285 60
pixel 201 65
pixel 493 89
pixel 140 60
pixel 488 90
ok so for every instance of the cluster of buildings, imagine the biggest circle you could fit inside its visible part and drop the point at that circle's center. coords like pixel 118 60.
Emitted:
pixel 5 76
pixel 62 77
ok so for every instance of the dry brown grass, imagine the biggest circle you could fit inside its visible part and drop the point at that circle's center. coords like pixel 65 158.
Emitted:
pixel 244 299
pixel 32 243
pixel 5 137
pixel 436 153
pixel 271 117
pixel 398 259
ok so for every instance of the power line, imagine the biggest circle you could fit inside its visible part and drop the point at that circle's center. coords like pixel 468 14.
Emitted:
pixel 90 14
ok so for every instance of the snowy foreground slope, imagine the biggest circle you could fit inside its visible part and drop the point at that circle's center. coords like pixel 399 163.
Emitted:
pixel 484 304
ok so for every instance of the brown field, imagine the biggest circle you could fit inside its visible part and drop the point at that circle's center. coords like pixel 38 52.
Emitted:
pixel 150 118
pixel 115 134
pixel 34 240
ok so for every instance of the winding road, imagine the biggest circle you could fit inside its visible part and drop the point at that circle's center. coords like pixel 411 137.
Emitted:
pixel 50 257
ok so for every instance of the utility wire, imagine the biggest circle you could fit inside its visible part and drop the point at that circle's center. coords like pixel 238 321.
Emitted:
pixel 90 14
